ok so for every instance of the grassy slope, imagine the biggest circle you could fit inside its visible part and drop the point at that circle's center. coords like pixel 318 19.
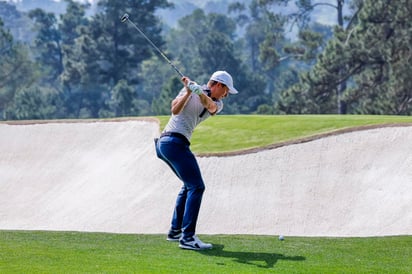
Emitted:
pixel 231 133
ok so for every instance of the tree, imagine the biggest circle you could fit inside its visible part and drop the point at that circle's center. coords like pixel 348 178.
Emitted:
pixel 122 99
pixel 264 33
pixel 161 105
pixel 71 24
pixel 108 52
pixel 155 73
pixel 120 48
pixel 264 42
pixel 34 103
pixel 47 45
pixel 184 42
pixel 71 21
pixel 16 70
pixel 384 79
pixel 16 22
pixel 102 54
pixel 372 56
pixel 310 45
pixel 208 45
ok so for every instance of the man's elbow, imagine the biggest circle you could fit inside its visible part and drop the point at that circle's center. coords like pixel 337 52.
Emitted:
pixel 175 110
pixel 212 108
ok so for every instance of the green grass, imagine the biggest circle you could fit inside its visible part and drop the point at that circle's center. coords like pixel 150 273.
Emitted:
pixel 225 133
pixel 73 252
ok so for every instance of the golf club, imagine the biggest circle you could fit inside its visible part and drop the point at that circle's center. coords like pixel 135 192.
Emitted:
pixel 125 18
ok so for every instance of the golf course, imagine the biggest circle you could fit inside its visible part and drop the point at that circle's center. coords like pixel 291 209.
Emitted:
pixel 90 196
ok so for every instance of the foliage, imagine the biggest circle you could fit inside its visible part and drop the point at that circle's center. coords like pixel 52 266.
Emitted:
pixel 203 44
pixel 122 99
pixel 16 70
pixel 47 45
pixel 384 84
pixel 363 69
pixel 34 103
pixel 161 104
pixel 155 75
pixel 97 66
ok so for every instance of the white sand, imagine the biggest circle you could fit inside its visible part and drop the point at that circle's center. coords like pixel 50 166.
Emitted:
pixel 104 176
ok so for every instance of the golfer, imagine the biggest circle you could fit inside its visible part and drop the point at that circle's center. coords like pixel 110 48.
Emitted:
pixel 192 105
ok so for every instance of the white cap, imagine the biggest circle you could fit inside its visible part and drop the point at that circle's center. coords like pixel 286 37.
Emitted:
pixel 224 78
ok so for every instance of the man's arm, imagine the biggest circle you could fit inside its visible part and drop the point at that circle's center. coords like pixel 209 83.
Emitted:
pixel 179 103
pixel 208 103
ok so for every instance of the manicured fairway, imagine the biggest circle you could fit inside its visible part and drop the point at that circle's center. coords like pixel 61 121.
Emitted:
pixel 225 133
pixel 74 252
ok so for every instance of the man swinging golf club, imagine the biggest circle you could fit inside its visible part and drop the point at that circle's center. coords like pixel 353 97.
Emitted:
pixel 192 105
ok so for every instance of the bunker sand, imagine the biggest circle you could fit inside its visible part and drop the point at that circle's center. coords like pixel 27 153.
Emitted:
pixel 103 176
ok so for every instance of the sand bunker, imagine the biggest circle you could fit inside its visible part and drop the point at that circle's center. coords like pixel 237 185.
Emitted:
pixel 104 176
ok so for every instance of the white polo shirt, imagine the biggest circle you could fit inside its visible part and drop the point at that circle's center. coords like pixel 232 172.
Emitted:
pixel 192 114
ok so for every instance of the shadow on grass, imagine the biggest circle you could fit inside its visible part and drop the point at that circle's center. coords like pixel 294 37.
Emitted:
pixel 250 258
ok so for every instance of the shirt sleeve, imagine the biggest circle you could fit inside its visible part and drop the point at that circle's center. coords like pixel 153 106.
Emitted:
pixel 181 92
pixel 219 104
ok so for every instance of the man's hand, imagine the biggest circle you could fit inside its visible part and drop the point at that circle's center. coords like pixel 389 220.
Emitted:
pixel 192 86
pixel 195 88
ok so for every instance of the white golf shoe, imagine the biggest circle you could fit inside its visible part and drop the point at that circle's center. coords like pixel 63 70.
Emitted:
pixel 194 244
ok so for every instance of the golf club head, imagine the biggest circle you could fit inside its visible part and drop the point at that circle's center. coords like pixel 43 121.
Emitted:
pixel 125 17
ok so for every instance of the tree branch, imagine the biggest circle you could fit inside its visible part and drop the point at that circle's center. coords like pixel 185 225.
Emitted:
pixel 283 58
pixel 324 4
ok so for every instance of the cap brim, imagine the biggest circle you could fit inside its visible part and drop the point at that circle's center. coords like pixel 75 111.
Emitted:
pixel 233 91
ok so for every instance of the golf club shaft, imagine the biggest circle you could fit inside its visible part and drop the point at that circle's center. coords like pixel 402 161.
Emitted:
pixel 126 18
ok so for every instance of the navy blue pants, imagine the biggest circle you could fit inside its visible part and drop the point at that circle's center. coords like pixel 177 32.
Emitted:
pixel 175 151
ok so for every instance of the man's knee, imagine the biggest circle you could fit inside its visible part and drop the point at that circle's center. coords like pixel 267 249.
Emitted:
pixel 198 187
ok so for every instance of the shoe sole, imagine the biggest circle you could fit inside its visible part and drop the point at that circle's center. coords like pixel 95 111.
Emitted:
pixel 172 240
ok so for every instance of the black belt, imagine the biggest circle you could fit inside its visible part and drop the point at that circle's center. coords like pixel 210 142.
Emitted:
pixel 175 134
